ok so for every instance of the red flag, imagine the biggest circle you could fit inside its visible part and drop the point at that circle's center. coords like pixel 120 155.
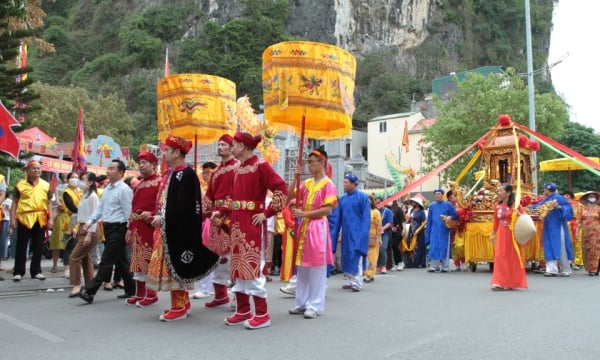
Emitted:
pixel 405 136
pixel 78 155
pixel 167 67
pixel 9 143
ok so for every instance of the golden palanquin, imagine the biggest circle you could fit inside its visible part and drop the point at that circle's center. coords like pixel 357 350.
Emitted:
pixel 499 165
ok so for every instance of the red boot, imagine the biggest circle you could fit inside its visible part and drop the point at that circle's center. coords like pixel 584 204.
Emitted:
pixel 242 313
pixel 178 309
pixel 262 318
pixel 150 299
pixel 140 293
pixel 221 296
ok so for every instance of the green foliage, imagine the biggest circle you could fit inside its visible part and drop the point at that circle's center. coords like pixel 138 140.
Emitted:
pixel 103 115
pixel 585 141
pixel 474 108
pixel 234 51
pixel 16 96
pixel 383 88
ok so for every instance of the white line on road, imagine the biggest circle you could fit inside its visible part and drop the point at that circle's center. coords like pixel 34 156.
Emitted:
pixel 32 329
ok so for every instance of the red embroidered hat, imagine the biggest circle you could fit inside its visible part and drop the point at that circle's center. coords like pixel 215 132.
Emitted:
pixel 247 139
pixel 226 138
pixel 148 156
pixel 177 142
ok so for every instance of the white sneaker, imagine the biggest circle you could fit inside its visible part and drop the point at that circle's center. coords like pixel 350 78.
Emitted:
pixel 463 267
pixel 288 290
pixel 394 268
pixel 39 276
pixel 400 267
pixel 200 295
pixel 310 314
pixel 17 277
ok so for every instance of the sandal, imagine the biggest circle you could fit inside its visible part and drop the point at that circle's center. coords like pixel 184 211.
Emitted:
pixel 108 287
pixel 118 285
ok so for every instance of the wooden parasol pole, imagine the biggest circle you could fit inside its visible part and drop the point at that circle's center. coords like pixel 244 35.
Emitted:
pixel 298 177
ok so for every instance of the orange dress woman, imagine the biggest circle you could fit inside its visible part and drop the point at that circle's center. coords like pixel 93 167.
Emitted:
pixel 509 265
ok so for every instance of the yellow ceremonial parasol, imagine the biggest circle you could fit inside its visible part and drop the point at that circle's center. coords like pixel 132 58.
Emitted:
pixel 564 164
pixel 197 107
pixel 308 88
pixel 310 81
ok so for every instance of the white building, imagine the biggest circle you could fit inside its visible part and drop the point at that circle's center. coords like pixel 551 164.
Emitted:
pixel 385 135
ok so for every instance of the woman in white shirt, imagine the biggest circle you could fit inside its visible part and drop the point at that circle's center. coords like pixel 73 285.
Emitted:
pixel 81 257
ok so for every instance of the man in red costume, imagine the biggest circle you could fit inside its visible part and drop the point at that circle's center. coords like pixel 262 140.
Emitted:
pixel 140 234
pixel 179 257
pixel 253 178
pixel 215 205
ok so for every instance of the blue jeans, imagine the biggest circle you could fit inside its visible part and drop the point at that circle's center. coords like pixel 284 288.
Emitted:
pixel 4 239
pixel 382 258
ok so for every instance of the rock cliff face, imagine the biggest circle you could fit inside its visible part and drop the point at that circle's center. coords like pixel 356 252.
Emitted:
pixel 359 26
pixel 362 26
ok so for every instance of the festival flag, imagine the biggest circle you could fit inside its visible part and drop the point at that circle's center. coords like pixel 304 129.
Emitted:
pixel 9 143
pixel 167 66
pixel 405 136
pixel 21 63
pixel 78 156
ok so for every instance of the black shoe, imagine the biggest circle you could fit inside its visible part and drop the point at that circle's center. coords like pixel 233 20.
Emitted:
pixel 86 296
pixel 125 296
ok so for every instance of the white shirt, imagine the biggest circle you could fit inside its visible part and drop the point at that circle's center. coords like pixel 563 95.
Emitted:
pixel 115 205
pixel 86 208
pixel 6 207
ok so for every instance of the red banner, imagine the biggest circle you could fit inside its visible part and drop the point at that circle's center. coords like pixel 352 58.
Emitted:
pixel 64 166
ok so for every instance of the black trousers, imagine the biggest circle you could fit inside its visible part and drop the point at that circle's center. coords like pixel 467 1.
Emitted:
pixel 37 235
pixel 115 254
pixel 395 246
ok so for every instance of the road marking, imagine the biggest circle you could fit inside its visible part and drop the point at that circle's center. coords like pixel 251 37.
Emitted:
pixel 32 329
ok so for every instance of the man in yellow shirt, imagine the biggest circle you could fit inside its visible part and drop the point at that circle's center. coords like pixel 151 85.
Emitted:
pixel 31 216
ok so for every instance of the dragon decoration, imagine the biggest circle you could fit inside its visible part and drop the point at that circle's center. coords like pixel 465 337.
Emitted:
pixel 253 125
pixel 399 172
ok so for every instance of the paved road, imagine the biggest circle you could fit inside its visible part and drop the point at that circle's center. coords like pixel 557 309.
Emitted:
pixel 403 315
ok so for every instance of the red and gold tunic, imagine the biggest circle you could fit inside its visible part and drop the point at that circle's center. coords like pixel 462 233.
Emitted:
pixel 252 180
pixel 218 198
pixel 142 233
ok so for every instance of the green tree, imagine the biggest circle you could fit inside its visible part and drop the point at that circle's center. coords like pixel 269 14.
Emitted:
pixel 381 88
pixel 474 108
pixel 234 51
pixel 584 140
pixel 103 115
pixel 18 21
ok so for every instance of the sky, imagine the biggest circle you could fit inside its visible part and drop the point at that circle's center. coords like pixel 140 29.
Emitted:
pixel 573 40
